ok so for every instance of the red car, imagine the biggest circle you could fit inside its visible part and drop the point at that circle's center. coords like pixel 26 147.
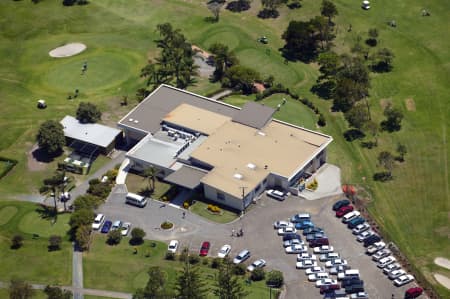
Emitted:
pixel 344 210
pixel 328 288
pixel 413 293
pixel 205 248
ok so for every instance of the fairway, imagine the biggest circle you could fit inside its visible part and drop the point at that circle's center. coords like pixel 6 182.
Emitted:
pixel 412 210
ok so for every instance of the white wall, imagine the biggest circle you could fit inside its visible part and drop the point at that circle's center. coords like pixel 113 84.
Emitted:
pixel 229 200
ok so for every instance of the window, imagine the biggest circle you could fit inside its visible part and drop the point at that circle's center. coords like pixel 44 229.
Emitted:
pixel 220 196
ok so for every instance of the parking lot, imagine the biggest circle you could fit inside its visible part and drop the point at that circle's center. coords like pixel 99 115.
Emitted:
pixel 260 238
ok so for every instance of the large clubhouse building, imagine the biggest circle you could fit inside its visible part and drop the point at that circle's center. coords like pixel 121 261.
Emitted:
pixel 231 154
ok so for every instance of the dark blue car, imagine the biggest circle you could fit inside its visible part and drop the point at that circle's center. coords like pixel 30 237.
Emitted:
pixel 312 230
pixel 106 227
pixel 304 224
pixel 341 203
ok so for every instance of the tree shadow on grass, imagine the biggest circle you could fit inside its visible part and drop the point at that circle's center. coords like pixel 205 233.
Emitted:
pixel 353 134
pixel 324 89
pixel 41 155
pixel 47 213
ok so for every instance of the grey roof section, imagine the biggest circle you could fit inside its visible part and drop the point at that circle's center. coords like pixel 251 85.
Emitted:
pixel 254 115
pixel 186 176
pixel 148 114
pixel 96 134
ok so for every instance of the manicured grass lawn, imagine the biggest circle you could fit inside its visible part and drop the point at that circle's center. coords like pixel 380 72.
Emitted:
pixel 4 293
pixel 117 268
pixel 201 208
pixel 33 262
pixel 138 184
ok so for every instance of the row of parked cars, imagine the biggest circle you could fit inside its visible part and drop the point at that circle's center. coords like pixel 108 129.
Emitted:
pixel 321 252
pixel 374 245
pixel 104 226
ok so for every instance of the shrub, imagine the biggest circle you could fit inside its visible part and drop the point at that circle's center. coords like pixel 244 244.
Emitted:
pixel 321 122
pixel 186 204
pixel 166 225
pixel 383 176
pixel 193 259
pixel 275 279
pixel 214 209
pixel 112 174
pixel 257 275
pixel 54 243
pixel 205 262
pixel 239 269
pixel 114 237
pixel 216 263
pixel 184 254
pixel 238 6
pixel 16 241
pixel 101 190
pixel 170 256
pixel 137 236
pixel 268 13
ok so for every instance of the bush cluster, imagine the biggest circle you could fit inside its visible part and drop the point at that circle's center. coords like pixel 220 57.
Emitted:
pixel 186 204
pixel 313 185
pixel 166 225
pixel 214 209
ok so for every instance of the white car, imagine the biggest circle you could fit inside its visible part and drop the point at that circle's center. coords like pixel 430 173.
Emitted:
pixel 338 269
pixel 276 194
pixel 318 276
pixel 125 229
pixel 364 235
pixel 116 225
pixel 359 295
pixel 282 223
pixel 241 257
pixel 386 261
pixel 173 246
pixel 381 254
pixel 286 230
pixel 329 256
pixel 375 247
pixel 296 249
pixel 256 264
pixel 224 251
pixel 289 243
pixel 349 216
pixel 326 281
pixel 306 256
pixel 360 228
pixel 98 221
pixel 323 249
pixel 315 269
pixel 305 264
pixel 391 267
pixel 396 273
pixel 335 262
pixel 404 279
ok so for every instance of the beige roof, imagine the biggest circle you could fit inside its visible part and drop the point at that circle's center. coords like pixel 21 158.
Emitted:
pixel 233 149
pixel 195 118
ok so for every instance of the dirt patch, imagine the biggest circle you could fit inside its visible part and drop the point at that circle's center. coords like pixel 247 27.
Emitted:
pixel 410 104
pixel 443 262
pixel 67 50
pixel 443 280
pixel 443 231
pixel 32 162
pixel 259 87
pixel 385 102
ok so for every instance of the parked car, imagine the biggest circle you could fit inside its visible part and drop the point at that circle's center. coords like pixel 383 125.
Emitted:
pixel 291 236
pixel 355 221
pixel 305 264
pixel 106 227
pixel 338 269
pixel 286 230
pixel 326 281
pixel 354 288
pixel 386 261
pixel 173 246
pixel 313 270
pixel 276 194
pixel 256 265
pixel 341 203
pixel 282 223
pixel 391 267
pixel 404 279
pixel 323 249
pixel 116 225
pixel 318 276
pixel 364 235
pixel 344 210
pixel 242 256
pixel 348 274
pixel 306 256
pixel 328 256
pixel 296 249
pixel 98 221
pixel 311 237
pixel 412 293
pixel 312 230
pixel 359 295
pixel 205 248
pixel 224 251
pixel 330 289
pixel 351 281
pixel 396 273
pixel 319 242
pixel 381 254
pixel 289 243
pixel 125 229
pixel 360 228
pixel 304 224
pixel 371 240
pixel 349 216
pixel 375 247
pixel 335 262
pixel 300 217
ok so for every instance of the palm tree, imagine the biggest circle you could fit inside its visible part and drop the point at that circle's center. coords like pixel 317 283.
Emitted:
pixel 150 175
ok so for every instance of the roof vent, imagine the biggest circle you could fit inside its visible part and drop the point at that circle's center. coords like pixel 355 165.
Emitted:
pixel 136 121
pixel 251 166
pixel 130 119
pixel 238 176
pixel 261 133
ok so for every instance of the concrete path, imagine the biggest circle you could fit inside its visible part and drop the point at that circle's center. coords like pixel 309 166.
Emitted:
pixel 77 273
pixel 329 180
pixel 123 171
pixel 221 94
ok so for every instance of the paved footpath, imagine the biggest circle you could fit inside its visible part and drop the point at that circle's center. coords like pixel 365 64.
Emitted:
pixel 77 273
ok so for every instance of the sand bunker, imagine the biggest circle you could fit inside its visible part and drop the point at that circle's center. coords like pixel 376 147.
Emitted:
pixel 443 280
pixel 67 50
pixel 443 262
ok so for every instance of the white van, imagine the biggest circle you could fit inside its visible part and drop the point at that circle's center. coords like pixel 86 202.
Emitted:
pixel 353 273
pixel 136 200
pixel 349 216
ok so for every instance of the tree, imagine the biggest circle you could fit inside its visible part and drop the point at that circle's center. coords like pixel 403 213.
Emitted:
pixel 258 274
pixel 81 217
pixel 86 201
pixel 300 41
pixel 329 63
pixel 401 150
pixel 50 137
pixel 228 285
pixel 16 241
pixel 189 284
pixel 322 32
pixel 88 113
pixel 149 174
pixel 142 93
pixel 373 128
pixel 328 9
pixel 19 289
pixel 394 117
pixel 357 116
pixel 275 279
pixel 382 60
pixel 241 78
pixel 270 8
pixel 386 160
pixel 373 35
pixel 238 5
pixel 83 236
pixel 156 285
pixel 57 293
pixel 214 7
pixel 54 242
pixel 114 237
pixel 56 183
pixel 137 236
pixel 223 59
